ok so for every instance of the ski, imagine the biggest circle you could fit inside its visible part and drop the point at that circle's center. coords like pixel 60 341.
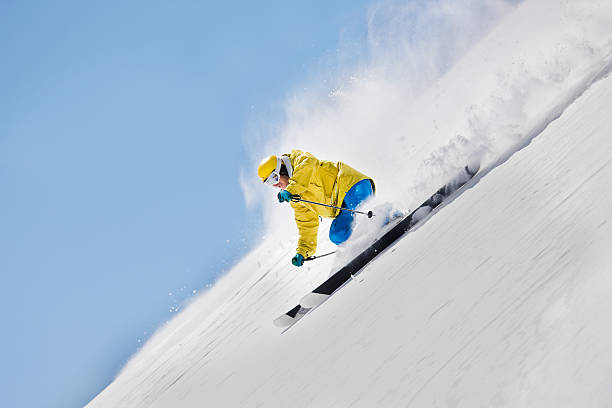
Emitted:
pixel 336 281
pixel 292 316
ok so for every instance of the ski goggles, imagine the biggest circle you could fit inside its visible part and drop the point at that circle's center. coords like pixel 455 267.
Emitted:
pixel 274 177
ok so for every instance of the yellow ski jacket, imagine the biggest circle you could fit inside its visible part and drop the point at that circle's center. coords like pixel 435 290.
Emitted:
pixel 321 181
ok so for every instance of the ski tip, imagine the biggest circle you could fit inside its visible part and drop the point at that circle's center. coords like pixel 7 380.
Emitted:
pixel 472 167
pixel 291 316
pixel 313 300
pixel 284 321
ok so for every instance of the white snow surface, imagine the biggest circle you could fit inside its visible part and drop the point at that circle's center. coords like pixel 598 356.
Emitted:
pixel 502 298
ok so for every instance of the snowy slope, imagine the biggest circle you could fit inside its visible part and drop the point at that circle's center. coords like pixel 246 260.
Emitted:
pixel 502 298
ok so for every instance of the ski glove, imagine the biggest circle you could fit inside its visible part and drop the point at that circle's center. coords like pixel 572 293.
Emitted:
pixel 298 260
pixel 284 195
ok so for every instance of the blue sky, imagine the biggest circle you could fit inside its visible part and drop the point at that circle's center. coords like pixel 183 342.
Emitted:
pixel 121 145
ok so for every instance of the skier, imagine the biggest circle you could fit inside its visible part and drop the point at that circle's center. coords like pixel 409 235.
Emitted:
pixel 301 175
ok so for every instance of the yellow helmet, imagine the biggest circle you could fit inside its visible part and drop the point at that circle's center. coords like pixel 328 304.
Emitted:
pixel 267 166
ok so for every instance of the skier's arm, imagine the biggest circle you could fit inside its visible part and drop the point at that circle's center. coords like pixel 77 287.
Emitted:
pixel 307 223
pixel 302 172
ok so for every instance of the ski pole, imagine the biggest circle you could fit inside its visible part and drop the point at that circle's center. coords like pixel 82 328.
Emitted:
pixel 312 258
pixel 370 214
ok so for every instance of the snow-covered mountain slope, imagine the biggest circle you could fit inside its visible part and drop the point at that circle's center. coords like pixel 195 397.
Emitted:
pixel 503 298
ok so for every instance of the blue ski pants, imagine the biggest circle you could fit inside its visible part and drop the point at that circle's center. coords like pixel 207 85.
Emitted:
pixel 342 226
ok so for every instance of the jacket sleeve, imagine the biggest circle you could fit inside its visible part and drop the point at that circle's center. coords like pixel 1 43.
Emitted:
pixel 307 222
pixel 303 168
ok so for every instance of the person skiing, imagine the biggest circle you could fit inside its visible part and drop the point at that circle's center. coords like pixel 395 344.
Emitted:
pixel 300 175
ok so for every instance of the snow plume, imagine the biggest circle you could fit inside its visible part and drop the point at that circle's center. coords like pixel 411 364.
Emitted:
pixel 410 112
pixel 363 113
pixel 415 42
pixel 522 87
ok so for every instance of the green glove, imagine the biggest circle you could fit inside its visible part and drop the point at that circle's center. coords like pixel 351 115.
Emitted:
pixel 298 260
pixel 284 195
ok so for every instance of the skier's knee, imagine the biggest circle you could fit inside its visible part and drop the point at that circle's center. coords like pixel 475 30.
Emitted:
pixel 339 235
